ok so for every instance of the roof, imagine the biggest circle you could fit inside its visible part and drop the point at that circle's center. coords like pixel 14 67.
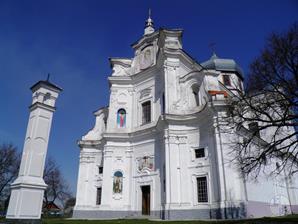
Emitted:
pixel 51 206
pixel 222 64
pixel 154 34
pixel 45 83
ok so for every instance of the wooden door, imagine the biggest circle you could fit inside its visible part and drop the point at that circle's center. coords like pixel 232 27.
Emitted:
pixel 145 200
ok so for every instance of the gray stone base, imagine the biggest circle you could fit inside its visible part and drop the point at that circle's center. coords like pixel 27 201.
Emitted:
pixel 228 213
pixel 22 221
pixel 195 214
pixel 105 214
pixel 187 214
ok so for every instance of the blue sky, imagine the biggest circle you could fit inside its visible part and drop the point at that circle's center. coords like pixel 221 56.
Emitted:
pixel 73 40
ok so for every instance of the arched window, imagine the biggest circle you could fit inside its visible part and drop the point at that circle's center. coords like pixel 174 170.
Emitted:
pixel 121 118
pixel 195 91
pixel 46 97
pixel 118 182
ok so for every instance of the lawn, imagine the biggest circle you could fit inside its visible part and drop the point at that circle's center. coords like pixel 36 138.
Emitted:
pixel 286 219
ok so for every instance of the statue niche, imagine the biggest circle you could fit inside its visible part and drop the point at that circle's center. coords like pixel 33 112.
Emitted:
pixel 118 182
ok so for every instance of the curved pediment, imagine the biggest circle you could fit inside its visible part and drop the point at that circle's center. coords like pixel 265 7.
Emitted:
pixel 120 66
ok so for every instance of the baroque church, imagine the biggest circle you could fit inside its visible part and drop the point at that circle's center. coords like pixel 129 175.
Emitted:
pixel 156 150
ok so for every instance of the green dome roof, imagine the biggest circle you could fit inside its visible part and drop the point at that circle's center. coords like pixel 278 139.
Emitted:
pixel 221 64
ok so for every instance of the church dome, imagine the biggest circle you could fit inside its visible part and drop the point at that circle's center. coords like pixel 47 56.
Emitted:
pixel 221 64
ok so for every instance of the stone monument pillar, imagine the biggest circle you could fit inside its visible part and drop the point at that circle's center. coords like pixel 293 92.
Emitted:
pixel 27 190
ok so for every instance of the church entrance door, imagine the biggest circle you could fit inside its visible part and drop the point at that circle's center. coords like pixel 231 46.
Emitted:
pixel 145 200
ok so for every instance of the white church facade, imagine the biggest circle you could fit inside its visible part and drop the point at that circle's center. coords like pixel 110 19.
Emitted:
pixel 157 151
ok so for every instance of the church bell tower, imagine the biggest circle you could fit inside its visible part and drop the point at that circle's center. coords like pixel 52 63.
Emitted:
pixel 28 189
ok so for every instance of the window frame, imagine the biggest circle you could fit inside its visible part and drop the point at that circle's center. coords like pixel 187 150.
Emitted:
pixel 98 195
pixel 100 170
pixel 118 117
pixel 228 83
pixel 204 152
pixel 145 120
pixel 206 188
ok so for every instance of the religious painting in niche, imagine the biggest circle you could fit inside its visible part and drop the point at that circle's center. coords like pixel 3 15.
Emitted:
pixel 118 182
pixel 121 118
pixel 145 163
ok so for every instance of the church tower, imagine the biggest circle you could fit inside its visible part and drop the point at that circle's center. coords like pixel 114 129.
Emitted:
pixel 27 190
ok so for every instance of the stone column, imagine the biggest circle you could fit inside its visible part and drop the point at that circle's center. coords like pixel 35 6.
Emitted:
pixel 27 190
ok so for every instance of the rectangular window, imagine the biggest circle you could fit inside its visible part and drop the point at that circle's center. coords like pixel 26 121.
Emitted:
pixel 254 128
pixel 146 109
pixel 226 80
pixel 100 170
pixel 98 196
pixel 200 153
pixel 202 189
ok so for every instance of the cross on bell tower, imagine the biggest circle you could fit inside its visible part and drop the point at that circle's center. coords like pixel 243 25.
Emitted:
pixel 149 25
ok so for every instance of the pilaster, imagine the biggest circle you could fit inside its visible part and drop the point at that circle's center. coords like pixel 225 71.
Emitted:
pixel 174 180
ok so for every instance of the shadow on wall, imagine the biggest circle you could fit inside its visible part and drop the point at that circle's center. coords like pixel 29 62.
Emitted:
pixel 235 212
pixel 232 211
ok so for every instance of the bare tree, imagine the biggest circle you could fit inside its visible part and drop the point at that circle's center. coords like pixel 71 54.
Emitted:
pixel 10 158
pixel 9 167
pixel 266 114
pixel 57 190
pixel 68 207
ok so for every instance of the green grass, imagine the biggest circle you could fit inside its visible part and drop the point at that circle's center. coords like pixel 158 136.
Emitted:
pixel 284 219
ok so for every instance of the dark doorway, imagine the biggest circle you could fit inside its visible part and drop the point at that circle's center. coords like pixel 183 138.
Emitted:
pixel 145 200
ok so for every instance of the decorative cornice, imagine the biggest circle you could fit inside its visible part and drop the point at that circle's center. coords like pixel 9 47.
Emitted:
pixel 89 143
pixel 175 139
pixel 41 105
pixel 125 62
pixel 156 126
pixel 87 157
pixel 186 117
pixel 181 54
pixel 46 84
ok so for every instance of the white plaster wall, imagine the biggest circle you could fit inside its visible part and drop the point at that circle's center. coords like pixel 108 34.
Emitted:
pixel 88 178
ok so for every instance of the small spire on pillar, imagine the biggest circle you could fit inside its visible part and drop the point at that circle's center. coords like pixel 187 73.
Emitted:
pixel 212 48
pixel 149 28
